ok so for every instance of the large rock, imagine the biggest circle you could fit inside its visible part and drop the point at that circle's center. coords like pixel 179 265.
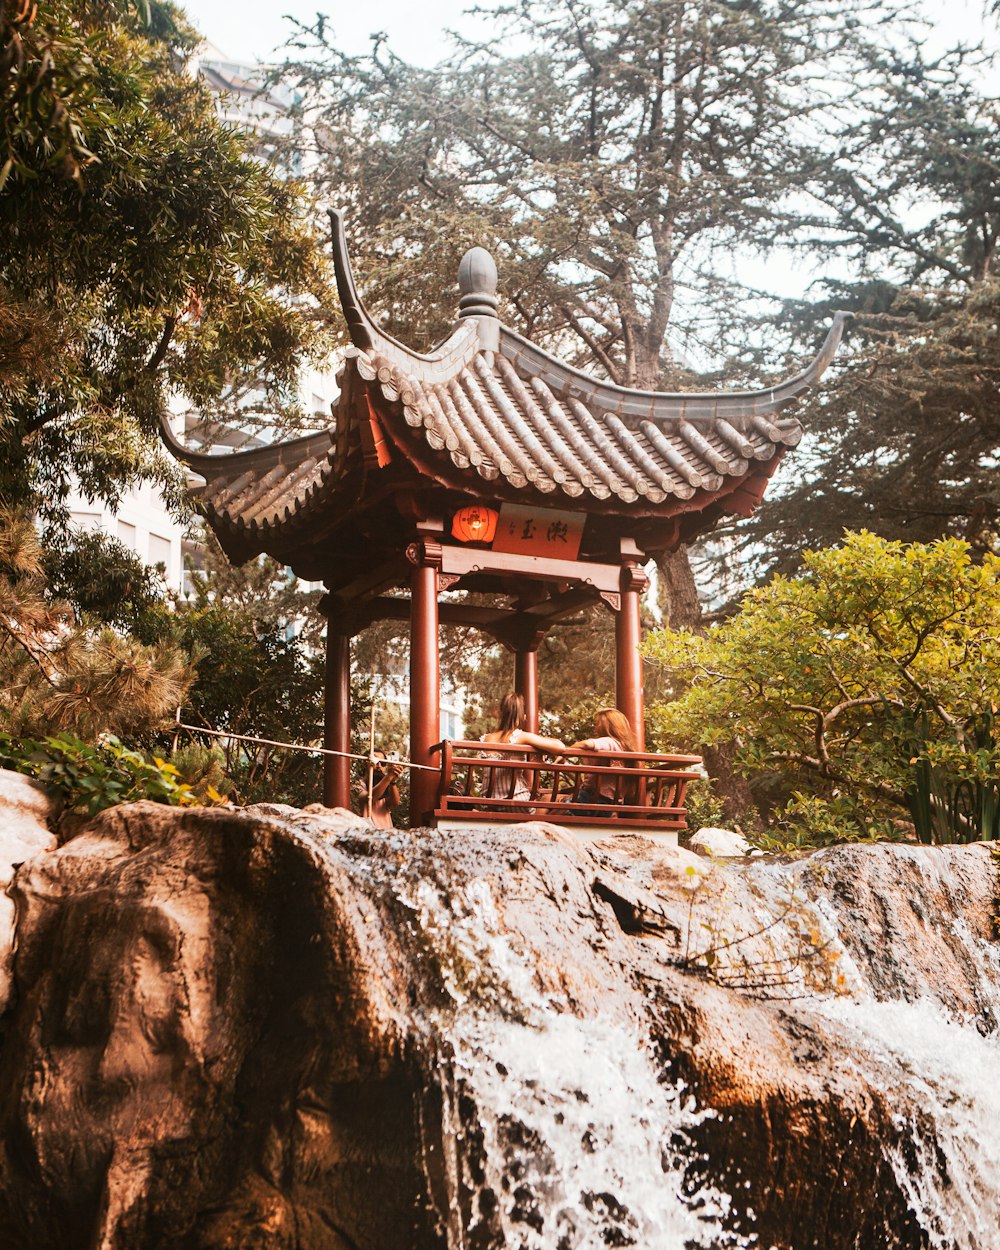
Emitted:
pixel 279 1029
pixel 720 843
pixel 25 810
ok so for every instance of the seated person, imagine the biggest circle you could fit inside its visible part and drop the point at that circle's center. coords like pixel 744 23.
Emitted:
pixel 514 783
pixel 612 733
pixel 385 792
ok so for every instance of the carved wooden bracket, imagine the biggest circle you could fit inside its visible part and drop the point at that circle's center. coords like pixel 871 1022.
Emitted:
pixel 634 578
pixel 612 599
pixel 445 581
pixel 519 634
pixel 426 552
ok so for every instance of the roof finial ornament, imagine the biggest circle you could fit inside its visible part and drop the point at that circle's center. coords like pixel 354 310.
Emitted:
pixel 477 282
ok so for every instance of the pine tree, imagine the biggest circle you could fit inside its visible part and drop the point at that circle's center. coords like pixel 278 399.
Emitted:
pixel 59 672
pixel 905 438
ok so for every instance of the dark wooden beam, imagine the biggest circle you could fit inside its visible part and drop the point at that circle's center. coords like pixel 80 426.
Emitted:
pixel 337 718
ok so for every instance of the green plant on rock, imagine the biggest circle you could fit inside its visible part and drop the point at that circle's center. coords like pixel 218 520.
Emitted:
pixel 88 778
pixel 825 676
pixel 785 957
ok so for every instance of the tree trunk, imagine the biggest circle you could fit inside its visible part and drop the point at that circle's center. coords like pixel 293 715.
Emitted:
pixel 732 788
pixel 680 595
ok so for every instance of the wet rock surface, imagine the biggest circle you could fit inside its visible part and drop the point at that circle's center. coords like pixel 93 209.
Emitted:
pixel 270 1028
pixel 25 810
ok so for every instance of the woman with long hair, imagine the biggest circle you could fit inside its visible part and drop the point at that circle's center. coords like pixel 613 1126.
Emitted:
pixel 385 791
pixel 514 783
pixel 612 733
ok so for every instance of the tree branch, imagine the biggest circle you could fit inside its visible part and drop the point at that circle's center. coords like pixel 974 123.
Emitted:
pixel 169 325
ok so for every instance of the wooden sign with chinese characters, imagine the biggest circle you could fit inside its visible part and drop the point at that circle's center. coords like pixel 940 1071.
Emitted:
pixel 524 530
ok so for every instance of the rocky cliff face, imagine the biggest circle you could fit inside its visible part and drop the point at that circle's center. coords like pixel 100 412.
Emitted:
pixel 277 1029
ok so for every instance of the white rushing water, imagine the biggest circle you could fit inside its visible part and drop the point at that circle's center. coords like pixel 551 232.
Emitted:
pixel 937 1067
pixel 940 1069
pixel 943 1075
pixel 583 1146
pixel 581 1143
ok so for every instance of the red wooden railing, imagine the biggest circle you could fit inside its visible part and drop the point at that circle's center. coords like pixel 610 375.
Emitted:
pixel 649 789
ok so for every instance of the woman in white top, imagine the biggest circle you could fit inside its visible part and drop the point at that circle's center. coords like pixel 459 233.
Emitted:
pixel 514 783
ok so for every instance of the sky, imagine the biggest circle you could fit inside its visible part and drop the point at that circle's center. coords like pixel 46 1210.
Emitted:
pixel 250 30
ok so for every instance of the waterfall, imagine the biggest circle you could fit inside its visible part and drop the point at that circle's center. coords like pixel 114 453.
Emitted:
pixel 943 1073
pixel 570 1134
pixel 577 1141
pixel 229 1025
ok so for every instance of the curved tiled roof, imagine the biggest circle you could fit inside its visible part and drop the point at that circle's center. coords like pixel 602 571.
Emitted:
pixel 502 420
pixel 489 406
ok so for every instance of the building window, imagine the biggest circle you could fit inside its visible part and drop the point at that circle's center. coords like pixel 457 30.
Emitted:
pixel 160 551
pixel 126 534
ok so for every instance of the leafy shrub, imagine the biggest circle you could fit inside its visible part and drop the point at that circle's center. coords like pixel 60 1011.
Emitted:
pixel 703 807
pixel 90 778
pixel 869 682
pixel 808 821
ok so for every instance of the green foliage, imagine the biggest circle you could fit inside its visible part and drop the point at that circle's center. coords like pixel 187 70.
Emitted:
pixel 146 249
pixel 203 768
pixel 956 800
pixel 808 821
pixel 263 590
pixel 63 671
pixel 88 778
pixel 824 676
pixel 574 721
pixel 102 579
pixel 254 638
pixel 253 679
pixel 703 807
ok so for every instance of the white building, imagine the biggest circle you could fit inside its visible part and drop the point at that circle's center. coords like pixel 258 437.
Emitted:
pixel 142 523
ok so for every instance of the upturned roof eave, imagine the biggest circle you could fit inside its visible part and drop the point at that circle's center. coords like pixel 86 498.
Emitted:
pixel 210 464
pixel 452 354
pixel 669 405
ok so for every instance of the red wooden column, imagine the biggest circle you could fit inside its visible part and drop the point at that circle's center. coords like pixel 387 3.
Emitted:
pixel 425 682
pixel 337 718
pixel 526 685
pixel 628 665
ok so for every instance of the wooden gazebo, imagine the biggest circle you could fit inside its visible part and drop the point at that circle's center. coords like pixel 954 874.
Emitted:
pixel 487 464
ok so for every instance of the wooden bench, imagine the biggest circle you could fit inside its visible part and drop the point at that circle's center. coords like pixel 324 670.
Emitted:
pixel 648 795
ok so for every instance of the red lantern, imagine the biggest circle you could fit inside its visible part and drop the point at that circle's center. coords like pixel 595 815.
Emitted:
pixel 474 524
